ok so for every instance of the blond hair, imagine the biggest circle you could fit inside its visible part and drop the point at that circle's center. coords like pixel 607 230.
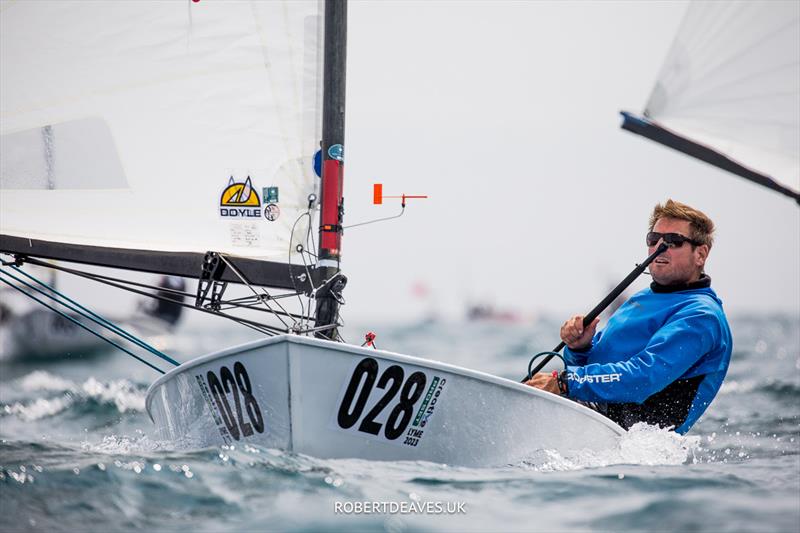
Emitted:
pixel 701 227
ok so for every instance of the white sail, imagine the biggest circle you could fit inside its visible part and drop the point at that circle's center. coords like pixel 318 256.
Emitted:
pixel 123 123
pixel 731 82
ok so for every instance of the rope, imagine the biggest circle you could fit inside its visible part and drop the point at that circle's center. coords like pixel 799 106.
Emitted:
pixel 81 310
pixel 118 283
pixel 402 210
pixel 88 313
pixel 258 296
pixel 538 355
pixel 31 296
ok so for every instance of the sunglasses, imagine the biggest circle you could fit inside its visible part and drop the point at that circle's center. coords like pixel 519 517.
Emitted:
pixel 673 240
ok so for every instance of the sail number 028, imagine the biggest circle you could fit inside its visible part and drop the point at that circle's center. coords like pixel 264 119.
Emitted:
pixel 392 380
pixel 238 384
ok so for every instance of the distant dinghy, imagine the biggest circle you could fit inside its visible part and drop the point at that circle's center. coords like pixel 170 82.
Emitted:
pixel 43 334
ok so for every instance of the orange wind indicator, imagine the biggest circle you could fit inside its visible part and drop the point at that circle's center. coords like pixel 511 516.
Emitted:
pixel 377 195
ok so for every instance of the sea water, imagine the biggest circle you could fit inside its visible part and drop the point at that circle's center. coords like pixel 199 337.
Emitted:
pixel 79 453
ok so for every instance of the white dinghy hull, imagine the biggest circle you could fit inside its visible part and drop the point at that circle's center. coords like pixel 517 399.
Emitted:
pixel 333 400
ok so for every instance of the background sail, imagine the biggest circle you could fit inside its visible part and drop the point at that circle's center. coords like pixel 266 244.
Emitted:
pixel 124 123
pixel 731 83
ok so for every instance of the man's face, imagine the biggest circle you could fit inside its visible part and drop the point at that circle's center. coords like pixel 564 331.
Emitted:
pixel 677 265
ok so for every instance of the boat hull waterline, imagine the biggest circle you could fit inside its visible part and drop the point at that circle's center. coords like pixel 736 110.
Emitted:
pixel 332 400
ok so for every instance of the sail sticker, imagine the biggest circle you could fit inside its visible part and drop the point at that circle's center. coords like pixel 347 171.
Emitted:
pixel 390 403
pixel 429 403
pixel 270 195
pixel 336 151
pixel 239 200
pixel 245 234
pixel 234 408
pixel 226 436
pixel 272 212
pixel 317 162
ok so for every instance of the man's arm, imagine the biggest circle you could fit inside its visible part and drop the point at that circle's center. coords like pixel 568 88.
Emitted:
pixel 673 349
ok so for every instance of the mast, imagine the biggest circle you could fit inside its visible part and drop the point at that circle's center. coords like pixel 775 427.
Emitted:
pixel 332 205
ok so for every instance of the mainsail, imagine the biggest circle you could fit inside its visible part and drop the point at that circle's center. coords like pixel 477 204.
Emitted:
pixel 142 135
pixel 729 91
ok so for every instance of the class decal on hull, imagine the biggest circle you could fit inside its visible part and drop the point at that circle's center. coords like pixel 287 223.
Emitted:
pixel 239 200
pixel 233 406
pixel 408 396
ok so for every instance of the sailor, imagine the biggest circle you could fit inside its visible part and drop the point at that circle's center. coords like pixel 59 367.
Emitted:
pixel 169 303
pixel 663 355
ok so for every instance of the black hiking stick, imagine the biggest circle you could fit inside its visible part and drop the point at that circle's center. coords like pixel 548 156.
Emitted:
pixel 599 307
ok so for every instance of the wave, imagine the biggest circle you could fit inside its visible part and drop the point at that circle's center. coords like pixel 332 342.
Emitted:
pixel 641 445
pixel 774 387
pixel 123 395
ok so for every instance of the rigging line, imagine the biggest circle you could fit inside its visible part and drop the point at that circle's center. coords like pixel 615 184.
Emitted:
pixel 252 302
pixel 106 281
pixel 31 296
pixel 310 238
pixel 255 307
pixel 244 299
pixel 265 302
pixel 402 210
pixel 246 322
pixel 302 307
pixel 98 277
pixel 309 233
pixel 261 330
pixel 307 311
pixel 122 284
pixel 321 328
pixel 88 313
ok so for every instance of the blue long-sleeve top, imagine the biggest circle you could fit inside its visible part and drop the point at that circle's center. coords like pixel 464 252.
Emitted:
pixel 654 339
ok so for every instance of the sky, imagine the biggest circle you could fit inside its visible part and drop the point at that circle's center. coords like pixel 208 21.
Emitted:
pixel 506 115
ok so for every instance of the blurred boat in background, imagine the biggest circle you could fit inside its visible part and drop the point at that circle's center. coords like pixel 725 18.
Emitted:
pixel 27 331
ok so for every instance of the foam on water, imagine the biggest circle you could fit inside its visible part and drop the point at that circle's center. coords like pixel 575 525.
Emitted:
pixel 39 408
pixel 40 380
pixel 124 445
pixel 641 445
pixel 124 395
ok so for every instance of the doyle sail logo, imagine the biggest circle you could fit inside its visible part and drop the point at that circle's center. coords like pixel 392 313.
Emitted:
pixel 239 200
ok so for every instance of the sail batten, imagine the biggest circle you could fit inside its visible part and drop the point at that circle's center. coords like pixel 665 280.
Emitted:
pixel 164 127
